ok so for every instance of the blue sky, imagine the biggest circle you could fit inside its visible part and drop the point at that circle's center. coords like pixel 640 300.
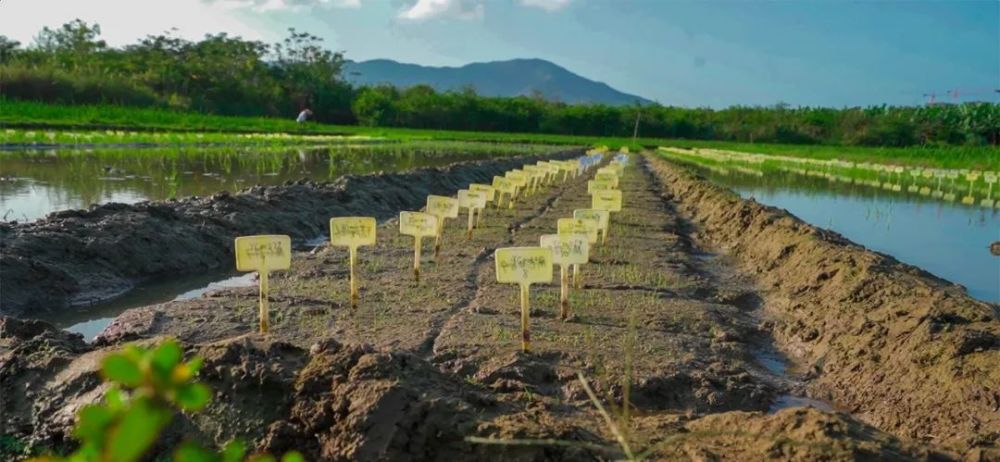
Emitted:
pixel 688 53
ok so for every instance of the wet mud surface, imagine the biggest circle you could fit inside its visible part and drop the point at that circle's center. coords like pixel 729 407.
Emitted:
pixel 671 308
pixel 81 257
pixel 902 350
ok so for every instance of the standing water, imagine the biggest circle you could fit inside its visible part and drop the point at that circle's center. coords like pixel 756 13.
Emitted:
pixel 949 239
pixel 34 183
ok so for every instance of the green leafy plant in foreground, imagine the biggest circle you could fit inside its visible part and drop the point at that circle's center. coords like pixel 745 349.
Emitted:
pixel 148 387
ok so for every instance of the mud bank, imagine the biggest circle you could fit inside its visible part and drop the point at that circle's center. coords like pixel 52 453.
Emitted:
pixel 79 257
pixel 349 402
pixel 905 351
pixel 417 369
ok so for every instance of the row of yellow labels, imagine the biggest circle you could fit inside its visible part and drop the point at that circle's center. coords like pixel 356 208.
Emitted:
pixel 266 253
pixel 569 246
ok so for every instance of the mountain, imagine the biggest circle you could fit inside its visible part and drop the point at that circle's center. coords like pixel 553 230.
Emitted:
pixel 515 77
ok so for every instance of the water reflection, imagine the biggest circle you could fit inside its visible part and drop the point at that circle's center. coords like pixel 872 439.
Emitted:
pixel 35 183
pixel 948 239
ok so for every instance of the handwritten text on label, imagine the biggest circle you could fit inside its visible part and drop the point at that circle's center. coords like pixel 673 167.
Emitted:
pixel 263 253
pixel 523 265
pixel 352 231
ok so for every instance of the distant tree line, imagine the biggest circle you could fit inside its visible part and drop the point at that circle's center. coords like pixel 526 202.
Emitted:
pixel 227 75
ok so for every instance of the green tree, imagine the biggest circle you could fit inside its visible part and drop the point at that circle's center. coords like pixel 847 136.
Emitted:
pixel 73 45
pixel 8 49
pixel 376 106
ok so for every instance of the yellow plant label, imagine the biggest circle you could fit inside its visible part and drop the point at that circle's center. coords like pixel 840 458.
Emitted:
pixel 263 253
pixel 418 224
pixel 602 216
pixel 442 206
pixel 504 185
pixel 519 178
pixel 471 199
pixel 567 249
pixel 523 265
pixel 587 228
pixel 352 231
pixel 610 200
pixel 488 190
pixel 599 185
pixel 610 177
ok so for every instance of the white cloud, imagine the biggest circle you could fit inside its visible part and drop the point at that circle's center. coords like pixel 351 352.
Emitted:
pixel 21 20
pixel 262 6
pixel 547 5
pixel 429 9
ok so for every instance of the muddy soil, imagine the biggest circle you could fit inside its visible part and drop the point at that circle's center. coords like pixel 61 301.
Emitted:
pixel 903 350
pixel 80 257
pixel 417 369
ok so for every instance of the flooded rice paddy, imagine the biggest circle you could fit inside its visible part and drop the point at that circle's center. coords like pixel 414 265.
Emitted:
pixel 929 226
pixel 37 182
pixel 34 182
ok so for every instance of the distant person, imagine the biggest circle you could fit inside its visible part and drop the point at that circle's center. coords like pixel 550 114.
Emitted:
pixel 304 115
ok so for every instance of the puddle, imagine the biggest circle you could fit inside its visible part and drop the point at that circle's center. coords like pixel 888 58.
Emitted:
pixel 92 320
pixel 787 401
pixel 243 280
pixel 777 364
pixel 774 362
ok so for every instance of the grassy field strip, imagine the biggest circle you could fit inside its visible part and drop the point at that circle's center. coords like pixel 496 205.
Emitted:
pixel 972 186
pixel 40 117
pixel 102 137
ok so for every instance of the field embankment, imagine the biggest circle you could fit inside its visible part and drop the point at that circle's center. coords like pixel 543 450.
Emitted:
pixel 417 369
pixel 905 351
pixel 79 257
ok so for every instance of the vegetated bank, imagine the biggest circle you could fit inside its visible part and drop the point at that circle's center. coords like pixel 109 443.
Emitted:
pixel 165 126
pixel 417 369
pixel 80 257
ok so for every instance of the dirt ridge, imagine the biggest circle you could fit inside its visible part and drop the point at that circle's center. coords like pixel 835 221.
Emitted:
pixel 358 384
pixel 907 352
pixel 78 257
